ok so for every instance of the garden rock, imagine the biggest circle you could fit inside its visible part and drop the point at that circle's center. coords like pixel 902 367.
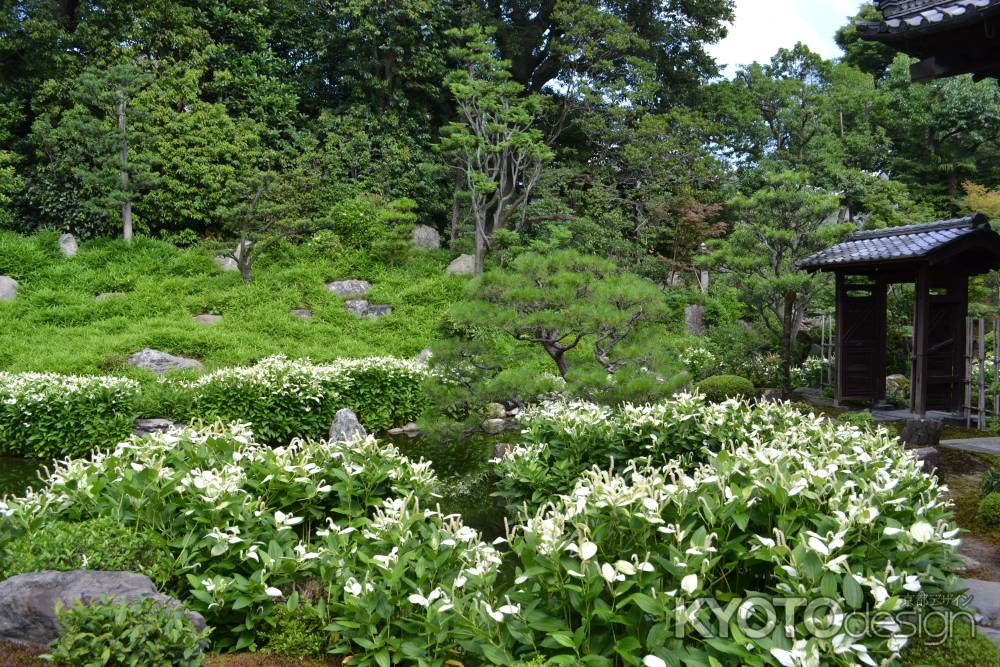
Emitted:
pixel 226 263
pixel 28 601
pixel 349 287
pixel 302 313
pixel 501 450
pixel 160 362
pixel 143 427
pixel 8 288
pixel 922 433
pixel 969 564
pixel 67 245
pixel 463 265
pixel 410 430
pixel 207 319
pixel 361 308
pixel 104 296
pixel 346 426
pixel 425 356
pixel 495 411
pixel 897 384
pixel 494 426
pixel 426 238
pixel 694 319
pixel 930 456
pixel 984 600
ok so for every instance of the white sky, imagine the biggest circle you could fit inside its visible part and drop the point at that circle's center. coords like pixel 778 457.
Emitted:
pixel 764 26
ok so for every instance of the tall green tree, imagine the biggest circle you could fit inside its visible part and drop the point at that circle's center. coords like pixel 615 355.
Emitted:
pixel 496 138
pixel 775 228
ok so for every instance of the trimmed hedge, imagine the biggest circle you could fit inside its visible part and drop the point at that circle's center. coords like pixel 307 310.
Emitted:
pixel 719 388
pixel 45 415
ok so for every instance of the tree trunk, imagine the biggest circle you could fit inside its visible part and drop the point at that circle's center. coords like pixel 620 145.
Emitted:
pixel 123 164
pixel 456 207
pixel 480 248
pixel 558 356
pixel 787 324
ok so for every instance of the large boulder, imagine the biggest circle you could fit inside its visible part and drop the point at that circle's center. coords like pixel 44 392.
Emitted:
pixel 67 245
pixel 226 263
pixel 349 287
pixel 28 601
pixel 463 265
pixel 160 362
pixel 897 385
pixel 346 427
pixel 921 433
pixel 425 356
pixel 8 288
pixel 694 319
pixel 143 427
pixel 426 238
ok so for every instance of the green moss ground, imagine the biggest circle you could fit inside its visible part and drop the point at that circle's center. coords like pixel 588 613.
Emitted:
pixel 56 324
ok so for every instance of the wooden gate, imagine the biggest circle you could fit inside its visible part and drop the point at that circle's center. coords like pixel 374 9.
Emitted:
pixel 861 340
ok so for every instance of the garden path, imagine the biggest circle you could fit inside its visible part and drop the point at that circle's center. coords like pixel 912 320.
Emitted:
pixel 977 445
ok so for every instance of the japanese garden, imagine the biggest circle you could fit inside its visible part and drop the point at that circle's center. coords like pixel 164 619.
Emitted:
pixel 498 333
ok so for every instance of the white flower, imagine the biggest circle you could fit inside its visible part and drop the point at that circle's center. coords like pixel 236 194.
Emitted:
pixel 653 661
pixel 588 550
pixel 419 599
pixel 273 592
pixel 786 658
pixel 689 584
pixel 922 531
pixel 608 572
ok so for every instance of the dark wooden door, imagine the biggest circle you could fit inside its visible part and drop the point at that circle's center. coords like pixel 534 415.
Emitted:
pixel 861 340
pixel 946 345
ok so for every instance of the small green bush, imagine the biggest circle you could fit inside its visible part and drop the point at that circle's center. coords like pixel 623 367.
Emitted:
pixel 46 415
pixel 862 419
pixel 989 510
pixel 137 633
pixel 98 544
pixel 719 388
pixel 297 634
pixel 991 481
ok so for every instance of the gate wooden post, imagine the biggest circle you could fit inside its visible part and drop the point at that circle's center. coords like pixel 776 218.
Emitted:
pixel 921 324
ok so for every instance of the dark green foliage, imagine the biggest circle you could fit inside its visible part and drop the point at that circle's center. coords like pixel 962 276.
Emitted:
pixel 989 510
pixel 296 634
pixel 96 544
pixel 127 634
pixel 990 482
pixel 861 419
pixel 723 387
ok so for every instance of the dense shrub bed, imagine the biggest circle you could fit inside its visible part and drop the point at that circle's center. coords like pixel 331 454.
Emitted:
pixel 44 414
pixel 283 399
pixel 684 500
pixel 49 415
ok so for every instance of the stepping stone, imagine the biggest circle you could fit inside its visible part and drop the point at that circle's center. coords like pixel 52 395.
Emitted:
pixel 361 308
pixel 349 287
pixel 159 362
pixel 207 319
pixel 494 426
pixel 302 313
pixel 8 288
pixel 984 600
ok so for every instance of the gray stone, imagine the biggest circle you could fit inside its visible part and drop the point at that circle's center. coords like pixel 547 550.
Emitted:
pixel 897 384
pixel 149 426
pixel 346 427
pixel 349 287
pixel 463 265
pixel 494 426
pixel 922 433
pixel 361 308
pixel 8 288
pixel 28 601
pixel 425 356
pixel 426 238
pixel 411 429
pixel 104 296
pixel 226 263
pixel 207 319
pixel 302 313
pixel 67 245
pixel 968 564
pixel 160 362
pixel 929 455
pixel 694 319
pixel 495 411
pixel 984 599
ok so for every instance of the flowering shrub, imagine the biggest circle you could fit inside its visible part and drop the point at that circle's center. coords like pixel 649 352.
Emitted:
pixel 764 370
pixel 46 415
pixel 809 372
pixel 237 516
pixel 561 440
pixel 787 506
pixel 700 362
pixel 283 399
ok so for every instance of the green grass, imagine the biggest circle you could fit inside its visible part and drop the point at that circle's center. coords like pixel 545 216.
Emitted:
pixel 56 324
pixel 960 649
